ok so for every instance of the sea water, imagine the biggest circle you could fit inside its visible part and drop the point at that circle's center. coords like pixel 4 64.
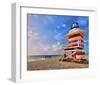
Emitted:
pixel 42 57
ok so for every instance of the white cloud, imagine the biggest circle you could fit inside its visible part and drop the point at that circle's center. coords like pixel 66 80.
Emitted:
pixel 58 43
pixel 63 25
pixel 58 27
pixel 36 46
pixel 57 46
pixel 30 34
pixel 85 40
pixel 58 36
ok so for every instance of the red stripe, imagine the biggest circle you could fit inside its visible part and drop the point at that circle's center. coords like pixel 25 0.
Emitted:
pixel 72 45
pixel 72 41
pixel 79 53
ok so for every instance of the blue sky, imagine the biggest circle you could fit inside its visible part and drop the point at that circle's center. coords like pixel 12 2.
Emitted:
pixel 48 31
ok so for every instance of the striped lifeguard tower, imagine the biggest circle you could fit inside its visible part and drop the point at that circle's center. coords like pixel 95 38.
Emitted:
pixel 75 45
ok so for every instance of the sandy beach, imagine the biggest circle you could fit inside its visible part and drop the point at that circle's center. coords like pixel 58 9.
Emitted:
pixel 51 64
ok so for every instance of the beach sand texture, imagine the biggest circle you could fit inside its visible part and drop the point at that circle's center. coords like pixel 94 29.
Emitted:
pixel 53 64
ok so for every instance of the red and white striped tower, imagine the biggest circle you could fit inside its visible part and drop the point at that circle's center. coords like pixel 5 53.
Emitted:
pixel 75 45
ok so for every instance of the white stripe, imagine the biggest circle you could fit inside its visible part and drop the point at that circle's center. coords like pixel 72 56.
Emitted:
pixel 76 38
pixel 77 42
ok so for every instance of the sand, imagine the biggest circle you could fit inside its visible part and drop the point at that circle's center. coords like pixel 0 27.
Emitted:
pixel 52 64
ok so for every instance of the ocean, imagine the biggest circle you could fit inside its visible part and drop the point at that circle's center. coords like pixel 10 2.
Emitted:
pixel 42 57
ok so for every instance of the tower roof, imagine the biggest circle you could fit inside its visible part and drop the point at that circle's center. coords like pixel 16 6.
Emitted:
pixel 75 29
pixel 75 25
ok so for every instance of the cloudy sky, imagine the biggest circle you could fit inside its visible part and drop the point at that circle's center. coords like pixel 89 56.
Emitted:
pixel 46 32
